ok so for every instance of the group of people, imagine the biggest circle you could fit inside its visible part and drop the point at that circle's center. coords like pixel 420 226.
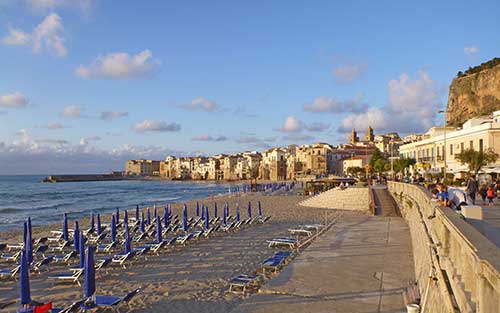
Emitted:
pixel 485 191
pixel 455 198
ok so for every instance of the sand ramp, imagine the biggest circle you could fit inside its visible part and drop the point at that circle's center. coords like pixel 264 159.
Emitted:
pixel 349 199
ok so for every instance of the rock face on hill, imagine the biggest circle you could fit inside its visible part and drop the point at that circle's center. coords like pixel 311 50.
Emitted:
pixel 475 93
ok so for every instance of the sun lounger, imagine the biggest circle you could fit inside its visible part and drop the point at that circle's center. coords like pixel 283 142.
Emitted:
pixel 141 237
pixel 97 239
pixel 300 232
pixel 3 305
pixel 122 258
pixel 62 246
pixel 3 246
pixel 72 277
pixel 11 257
pixel 106 247
pixel 290 242
pixel 44 262
pixel 9 272
pixel 155 247
pixel 315 227
pixel 182 239
pixel 15 246
pixel 108 301
pixel 263 220
pixel 64 258
pixel 73 307
pixel 102 263
pixel 241 283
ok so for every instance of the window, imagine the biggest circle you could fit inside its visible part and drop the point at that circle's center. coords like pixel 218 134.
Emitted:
pixel 481 145
pixel 471 145
pixel 438 150
pixel 451 149
pixel 444 151
pixel 461 147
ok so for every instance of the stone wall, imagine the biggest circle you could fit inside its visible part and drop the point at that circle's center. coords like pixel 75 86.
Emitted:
pixel 457 268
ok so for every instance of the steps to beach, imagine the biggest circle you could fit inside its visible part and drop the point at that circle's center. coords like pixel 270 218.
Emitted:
pixel 354 198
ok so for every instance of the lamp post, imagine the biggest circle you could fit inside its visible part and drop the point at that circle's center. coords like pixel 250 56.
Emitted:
pixel 445 113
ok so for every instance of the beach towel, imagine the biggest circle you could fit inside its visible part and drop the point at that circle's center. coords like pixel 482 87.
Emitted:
pixel 47 307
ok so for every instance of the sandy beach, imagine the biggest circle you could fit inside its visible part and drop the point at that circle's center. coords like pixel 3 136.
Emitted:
pixel 191 278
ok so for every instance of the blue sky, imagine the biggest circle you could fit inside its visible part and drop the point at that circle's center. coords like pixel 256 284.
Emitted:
pixel 86 84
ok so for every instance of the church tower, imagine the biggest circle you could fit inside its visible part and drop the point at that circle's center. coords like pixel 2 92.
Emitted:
pixel 354 137
pixel 369 137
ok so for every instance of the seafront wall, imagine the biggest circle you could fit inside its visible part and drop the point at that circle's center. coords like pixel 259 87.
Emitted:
pixel 456 267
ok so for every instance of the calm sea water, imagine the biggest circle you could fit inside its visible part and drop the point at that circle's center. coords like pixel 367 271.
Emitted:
pixel 23 196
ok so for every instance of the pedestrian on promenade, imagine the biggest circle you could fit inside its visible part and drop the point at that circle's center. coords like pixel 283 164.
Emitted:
pixel 490 194
pixel 482 193
pixel 472 189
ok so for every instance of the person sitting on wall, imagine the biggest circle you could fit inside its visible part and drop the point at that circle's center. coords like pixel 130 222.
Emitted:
pixel 458 198
pixel 441 194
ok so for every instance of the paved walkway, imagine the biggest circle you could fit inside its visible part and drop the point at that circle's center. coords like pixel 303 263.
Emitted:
pixel 360 265
pixel 491 225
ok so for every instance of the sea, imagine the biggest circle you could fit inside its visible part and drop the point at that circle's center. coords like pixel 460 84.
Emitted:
pixel 23 196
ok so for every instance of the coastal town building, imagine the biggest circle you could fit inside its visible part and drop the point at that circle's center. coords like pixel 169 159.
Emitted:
pixel 360 161
pixel 142 168
pixel 429 152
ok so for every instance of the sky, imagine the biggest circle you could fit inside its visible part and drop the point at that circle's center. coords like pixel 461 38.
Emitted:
pixel 88 84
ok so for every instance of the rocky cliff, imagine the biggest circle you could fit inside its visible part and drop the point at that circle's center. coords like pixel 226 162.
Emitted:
pixel 475 93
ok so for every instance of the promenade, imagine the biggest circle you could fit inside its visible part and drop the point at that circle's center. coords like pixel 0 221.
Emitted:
pixel 362 264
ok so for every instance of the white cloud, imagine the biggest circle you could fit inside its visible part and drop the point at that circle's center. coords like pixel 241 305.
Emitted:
pixel 119 65
pixel 291 125
pixel 53 126
pixel 110 115
pixel 86 141
pixel 412 107
pixel 326 104
pixel 156 126
pixel 48 35
pixel 13 100
pixel 471 49
pixel 201 103
pixel 16 37
pixel 72 111
pixel 206 137
pixel 349 73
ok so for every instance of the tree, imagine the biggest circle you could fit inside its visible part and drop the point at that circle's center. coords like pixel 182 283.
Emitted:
pixel 401 164
pixel 355 170
pixel 475 160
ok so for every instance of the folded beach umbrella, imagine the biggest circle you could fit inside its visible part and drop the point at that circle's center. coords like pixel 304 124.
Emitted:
pixel 128 246
pixel 158 230
pixel 125 217
pixel 185 218
pixel 137 213
pixel 154 209
pixel 117 215
pixel 207 219
pixel 203 211
pixel 29 225
pixel 89 270
pixel 82 251
pixel 249 209
pixel 141 225
pixel 149 217
pixel 65 227
pixel 25 280
pixel 92 222
pixel 25 235
pixel 76 237
pixel 224 215
pixel 237 212
pixel 29 244
pixel 113 229
pixel 197 209
pixel 99 227
pixel 165 216
pixel 260 210
pixel 215 209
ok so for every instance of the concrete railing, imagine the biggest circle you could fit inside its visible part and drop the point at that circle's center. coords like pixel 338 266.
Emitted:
pixel 456 267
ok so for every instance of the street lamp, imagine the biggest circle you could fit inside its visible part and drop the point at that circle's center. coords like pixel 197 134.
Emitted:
pixel 444 150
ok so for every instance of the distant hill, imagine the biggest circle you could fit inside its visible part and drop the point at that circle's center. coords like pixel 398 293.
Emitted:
pixel 474 92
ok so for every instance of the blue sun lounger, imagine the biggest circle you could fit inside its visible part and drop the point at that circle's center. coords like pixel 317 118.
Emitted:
pixel 9 272
pixel 108 301
pixel 241 283
pixel 284 241
pixel 11 257
pixel 122 258
pixel 73 276
pixel 64 258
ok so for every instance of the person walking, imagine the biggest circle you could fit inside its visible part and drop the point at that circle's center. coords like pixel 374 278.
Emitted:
pixel 482 192
pixel 472 189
